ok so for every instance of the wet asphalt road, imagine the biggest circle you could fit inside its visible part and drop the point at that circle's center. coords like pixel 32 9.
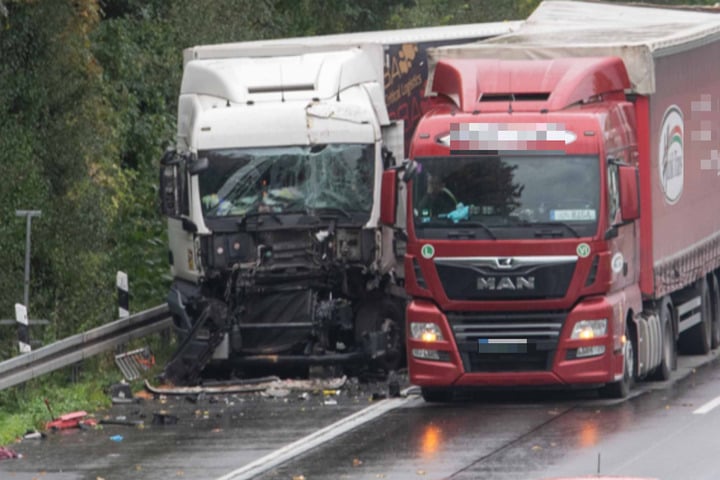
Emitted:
pixel 494 435
pixel 213 435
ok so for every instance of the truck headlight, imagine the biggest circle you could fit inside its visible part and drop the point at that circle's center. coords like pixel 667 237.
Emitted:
pixel 588 329
pixel 427 332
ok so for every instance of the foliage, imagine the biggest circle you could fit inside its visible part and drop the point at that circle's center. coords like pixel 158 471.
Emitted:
pixel 23 408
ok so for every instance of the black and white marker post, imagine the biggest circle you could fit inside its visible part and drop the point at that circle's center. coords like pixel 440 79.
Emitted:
pixel 23 329
pixel 123 295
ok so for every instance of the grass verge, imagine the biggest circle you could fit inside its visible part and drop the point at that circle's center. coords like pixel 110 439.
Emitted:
pixel 23 407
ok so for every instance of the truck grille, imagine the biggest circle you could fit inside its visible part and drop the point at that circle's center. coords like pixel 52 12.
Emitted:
pixel 518 341
pixel 505 278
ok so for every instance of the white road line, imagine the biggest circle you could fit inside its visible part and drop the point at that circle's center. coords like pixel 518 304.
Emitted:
pixel 253 469
pixel 708 406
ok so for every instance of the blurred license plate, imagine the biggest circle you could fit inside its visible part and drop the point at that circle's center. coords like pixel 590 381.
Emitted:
pixel 502 345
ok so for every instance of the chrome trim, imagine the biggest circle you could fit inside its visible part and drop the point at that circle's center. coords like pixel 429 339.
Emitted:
pixel 507 263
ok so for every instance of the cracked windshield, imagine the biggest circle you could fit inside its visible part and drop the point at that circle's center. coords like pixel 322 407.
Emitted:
pixel 288 179
pixel 499 194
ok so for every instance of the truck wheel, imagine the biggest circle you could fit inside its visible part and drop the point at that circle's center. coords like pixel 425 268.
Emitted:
pixel 387 316
pixel 621 389
pixel 698 340
pixel 669 352
pixel 437 395
pixel 715 295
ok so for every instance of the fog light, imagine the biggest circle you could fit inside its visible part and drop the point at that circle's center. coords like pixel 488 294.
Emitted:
pixel 426 354
pixel 592 351
pixel 426 332
pixel 587 329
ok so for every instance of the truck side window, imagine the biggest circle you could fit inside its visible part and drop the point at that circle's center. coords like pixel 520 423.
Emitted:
pixel 613 194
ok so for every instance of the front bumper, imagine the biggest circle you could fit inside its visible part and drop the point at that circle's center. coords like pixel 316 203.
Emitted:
pixel 549 357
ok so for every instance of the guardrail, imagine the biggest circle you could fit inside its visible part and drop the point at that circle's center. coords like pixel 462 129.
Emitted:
pixel 73 349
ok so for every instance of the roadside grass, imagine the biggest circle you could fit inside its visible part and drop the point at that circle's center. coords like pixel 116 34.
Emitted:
pixel 23 407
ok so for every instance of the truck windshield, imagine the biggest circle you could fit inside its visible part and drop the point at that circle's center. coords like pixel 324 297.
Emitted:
pixel 509 196
pixel 287 179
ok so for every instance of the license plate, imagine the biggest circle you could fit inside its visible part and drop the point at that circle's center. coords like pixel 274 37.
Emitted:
pixel 502 345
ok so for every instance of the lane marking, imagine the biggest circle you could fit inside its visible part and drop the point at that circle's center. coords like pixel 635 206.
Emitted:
pixel 263 464
pixel 708 406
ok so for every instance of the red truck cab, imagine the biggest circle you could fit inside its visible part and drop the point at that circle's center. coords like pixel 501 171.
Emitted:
pixel 562 202
pixel 527 278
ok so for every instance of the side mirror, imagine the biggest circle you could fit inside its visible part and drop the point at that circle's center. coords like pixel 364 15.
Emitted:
pixel 629 193
pixel 411 169
pixel 388 197
pixel 173 184
pixel 198 165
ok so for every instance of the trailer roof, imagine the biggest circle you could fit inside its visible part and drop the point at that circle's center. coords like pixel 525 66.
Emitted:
pixel 293 45
pixel 564 28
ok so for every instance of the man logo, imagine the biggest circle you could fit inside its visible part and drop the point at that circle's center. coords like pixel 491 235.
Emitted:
pixel 506 283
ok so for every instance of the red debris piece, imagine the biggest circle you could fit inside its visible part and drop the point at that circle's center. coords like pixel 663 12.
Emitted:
pixel 6 453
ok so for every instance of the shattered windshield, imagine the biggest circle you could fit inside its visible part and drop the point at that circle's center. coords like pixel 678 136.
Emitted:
pixel 513 196
pixel 288 179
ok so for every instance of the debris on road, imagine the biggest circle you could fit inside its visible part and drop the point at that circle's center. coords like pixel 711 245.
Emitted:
pixel 117 438
pixel 33 435
pixel 77 419
pixel 121 393
pixel 6 454
pixel 275 392
pixel 121 420
pixel 133 363
pixel 253 385
pixel 164 418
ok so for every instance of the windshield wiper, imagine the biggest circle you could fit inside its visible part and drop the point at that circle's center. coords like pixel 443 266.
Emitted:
pixel 540 233
pixel 479 225
pixel 455 232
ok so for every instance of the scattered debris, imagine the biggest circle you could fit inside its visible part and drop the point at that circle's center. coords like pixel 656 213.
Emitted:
pixel 144 395
pixel 6 453
pixel 133 363
pixel 33 435
pixel 117 438
pixel 121 393
pixel 77 419
pixel 122 420
pixel 275 392
pixel 254 385
pixel 164 418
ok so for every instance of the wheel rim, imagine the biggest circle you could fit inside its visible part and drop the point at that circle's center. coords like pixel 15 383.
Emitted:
pixel 668 345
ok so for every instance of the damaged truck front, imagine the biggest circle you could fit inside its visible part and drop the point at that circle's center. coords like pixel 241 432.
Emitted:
pixel 272 205
pixel 272 195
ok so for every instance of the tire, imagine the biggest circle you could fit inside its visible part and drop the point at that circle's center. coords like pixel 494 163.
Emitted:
pixel 622 388
pixel 715 295
pixel 388 316
pixel 437 395
pixel 698 340
pixel 669 355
